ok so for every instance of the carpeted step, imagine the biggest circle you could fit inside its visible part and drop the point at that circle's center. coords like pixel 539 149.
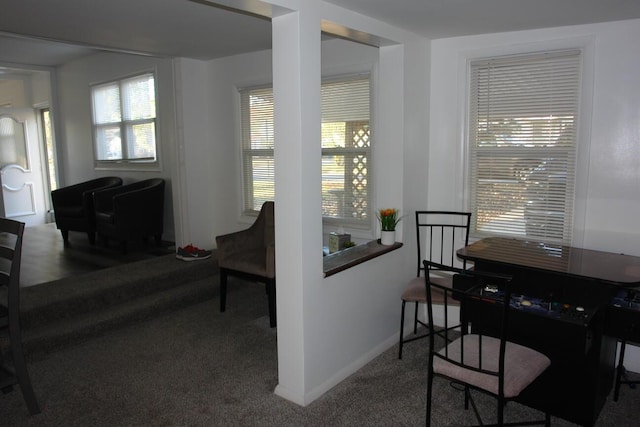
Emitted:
pixel 69 310
pixel 82 326
pixel 75 296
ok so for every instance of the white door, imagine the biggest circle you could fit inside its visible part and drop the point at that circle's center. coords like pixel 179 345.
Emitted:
pixel 21 173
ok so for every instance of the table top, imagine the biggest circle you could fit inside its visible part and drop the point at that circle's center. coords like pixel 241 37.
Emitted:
pixel 616 269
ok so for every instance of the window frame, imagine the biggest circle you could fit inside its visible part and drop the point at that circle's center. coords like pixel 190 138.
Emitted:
pixel 247 195
pixel 574 211
pixel 124 125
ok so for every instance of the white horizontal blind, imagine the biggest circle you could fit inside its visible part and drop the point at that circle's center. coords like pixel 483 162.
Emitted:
pixel 346 148
pixel 124 119
pixel 523 114
pixel 256 117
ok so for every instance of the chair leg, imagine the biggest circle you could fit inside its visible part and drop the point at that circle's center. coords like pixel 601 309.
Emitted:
pixel 501 404
pixel 415 319
pixel 223 289
pixel 429 394
pixel 65 237
pixel 401 330
pixel 20 367
pixel 271 291
pixel 619 370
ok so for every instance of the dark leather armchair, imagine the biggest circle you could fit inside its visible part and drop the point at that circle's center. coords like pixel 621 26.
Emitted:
pixel 73 206
pixel 250 253
pixel 131 212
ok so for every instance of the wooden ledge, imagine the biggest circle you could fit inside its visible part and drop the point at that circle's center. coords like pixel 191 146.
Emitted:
pixel 347 258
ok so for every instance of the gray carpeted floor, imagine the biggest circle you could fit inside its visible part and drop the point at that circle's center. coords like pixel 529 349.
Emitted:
pixel 198 367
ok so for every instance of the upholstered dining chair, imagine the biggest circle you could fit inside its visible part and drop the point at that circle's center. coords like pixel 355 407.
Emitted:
pixel 13 369
pixel 250 253
pixel 478 355
pixel 439 234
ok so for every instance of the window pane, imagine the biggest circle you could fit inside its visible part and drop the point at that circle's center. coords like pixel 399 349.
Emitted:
pixel 141 141
pixel 345 168
pixel 262 176
pixel 333 135
pixel 262 128
pixel 139 98
pixel 13 144
pixel 344 186
pixel 106 104
pixel 108 143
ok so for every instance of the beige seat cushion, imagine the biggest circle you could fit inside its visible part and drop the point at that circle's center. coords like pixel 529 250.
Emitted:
pixel 416 291
pixel 522 364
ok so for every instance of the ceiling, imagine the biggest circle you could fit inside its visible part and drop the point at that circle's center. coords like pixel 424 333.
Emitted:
pixel 195 29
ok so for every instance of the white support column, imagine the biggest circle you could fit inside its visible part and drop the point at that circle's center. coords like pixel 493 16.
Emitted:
pixel 296 84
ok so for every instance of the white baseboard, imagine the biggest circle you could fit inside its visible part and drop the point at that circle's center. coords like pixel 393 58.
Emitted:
pixel 338 377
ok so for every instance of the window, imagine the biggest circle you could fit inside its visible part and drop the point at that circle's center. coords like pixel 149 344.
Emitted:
pixel 346 149
pixel 124 120
pixel 523 114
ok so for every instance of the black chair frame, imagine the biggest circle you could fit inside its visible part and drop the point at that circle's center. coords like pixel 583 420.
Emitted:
pixel 438 233
pixel 468 286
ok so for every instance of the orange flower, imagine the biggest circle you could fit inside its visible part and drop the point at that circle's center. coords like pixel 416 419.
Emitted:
pixel 388 218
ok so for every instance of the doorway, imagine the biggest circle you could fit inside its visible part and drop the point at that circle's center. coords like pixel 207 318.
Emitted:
pixel 27 163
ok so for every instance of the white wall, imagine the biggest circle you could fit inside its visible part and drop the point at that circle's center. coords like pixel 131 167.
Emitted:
pixel 608 205
pixel 210 117
pixel 75 143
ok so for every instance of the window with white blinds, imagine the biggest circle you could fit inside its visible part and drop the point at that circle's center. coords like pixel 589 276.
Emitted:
pixel 523 113
pixel 346 148
pixel 124 120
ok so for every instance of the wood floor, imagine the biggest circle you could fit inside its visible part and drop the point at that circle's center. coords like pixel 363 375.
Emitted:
pixel 45 258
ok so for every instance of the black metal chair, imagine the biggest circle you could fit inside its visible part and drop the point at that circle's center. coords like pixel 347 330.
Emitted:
pixel 479 357
pixel 439 234
pixel 13 368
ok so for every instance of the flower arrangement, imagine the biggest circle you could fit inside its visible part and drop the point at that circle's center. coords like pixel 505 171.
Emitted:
pixel 388 218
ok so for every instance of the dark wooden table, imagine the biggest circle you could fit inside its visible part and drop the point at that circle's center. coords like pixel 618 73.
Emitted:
pixel 571 289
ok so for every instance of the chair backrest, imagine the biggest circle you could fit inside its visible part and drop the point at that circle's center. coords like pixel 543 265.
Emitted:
pixel 266 223
pixel 439 235
pixel 11 233
pixel 470 287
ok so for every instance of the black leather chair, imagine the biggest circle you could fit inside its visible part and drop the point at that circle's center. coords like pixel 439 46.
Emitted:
pixel 73 206
pixel 131 212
